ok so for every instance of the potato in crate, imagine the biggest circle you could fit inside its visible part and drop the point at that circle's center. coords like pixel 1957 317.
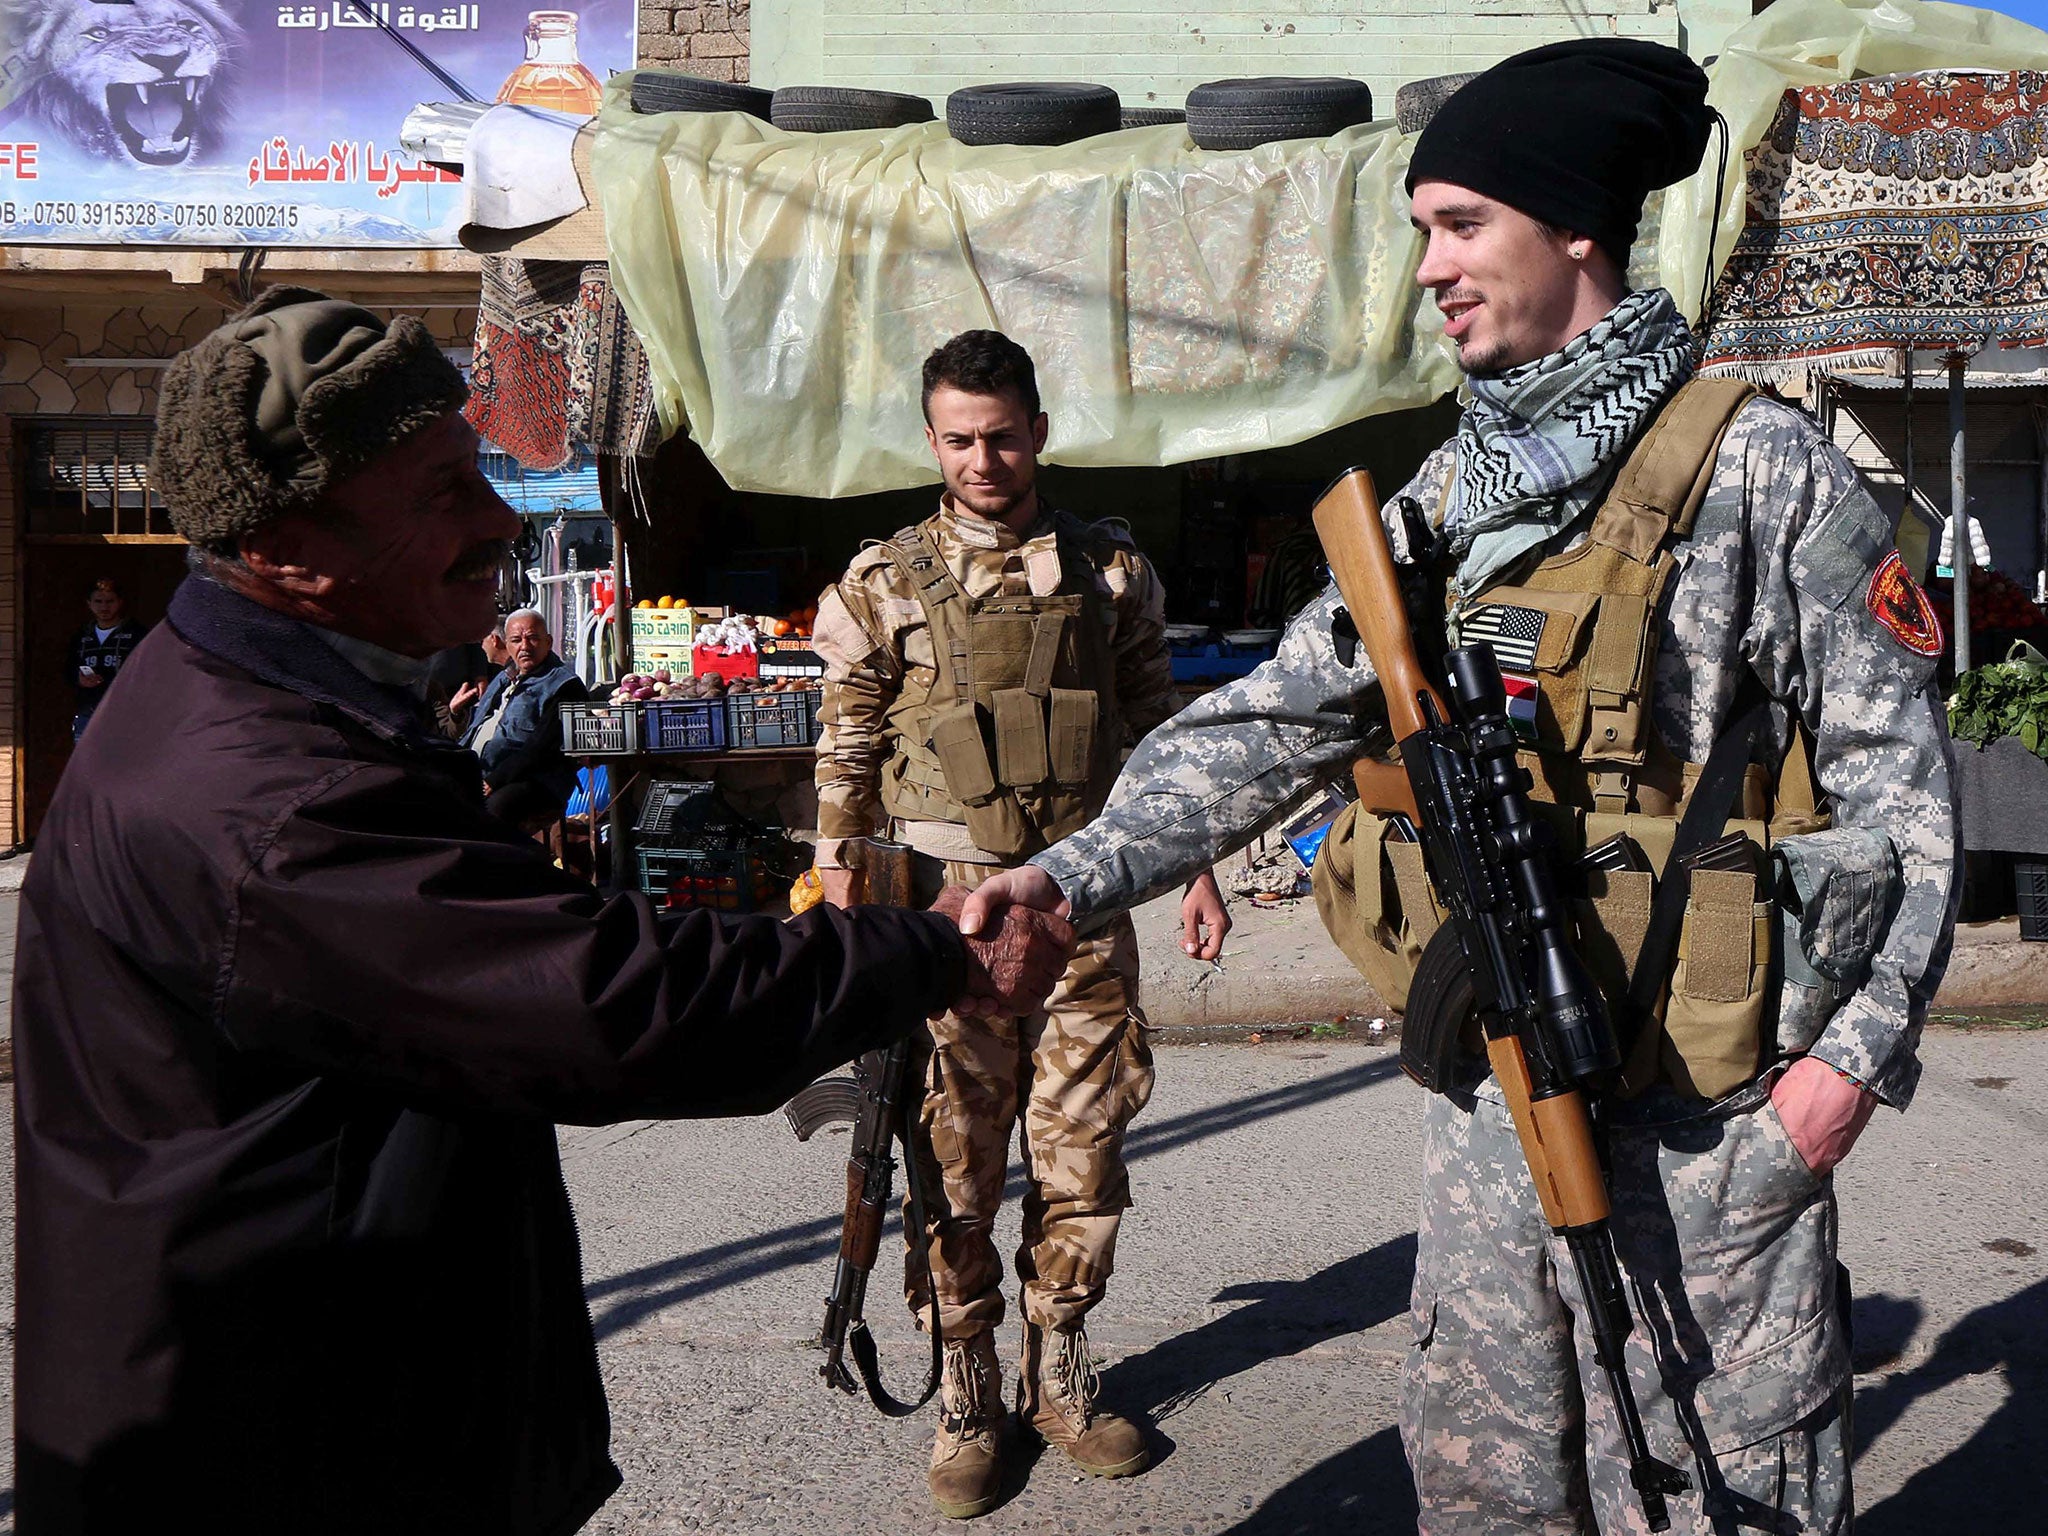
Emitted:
pixel 772 716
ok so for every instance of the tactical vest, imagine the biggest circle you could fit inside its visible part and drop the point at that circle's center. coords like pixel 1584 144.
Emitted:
pixel 1017 739
pixel 1577 641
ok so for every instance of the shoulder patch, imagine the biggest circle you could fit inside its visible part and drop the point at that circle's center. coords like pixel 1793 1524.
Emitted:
pixel 1896 601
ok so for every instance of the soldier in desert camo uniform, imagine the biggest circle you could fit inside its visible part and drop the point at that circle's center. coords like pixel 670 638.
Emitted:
pixel 985 670
pixel 1780 580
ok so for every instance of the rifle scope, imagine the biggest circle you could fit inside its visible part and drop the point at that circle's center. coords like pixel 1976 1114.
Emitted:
pixel 1566 993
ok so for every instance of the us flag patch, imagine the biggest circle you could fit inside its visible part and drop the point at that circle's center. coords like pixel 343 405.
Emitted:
pixel 1512 632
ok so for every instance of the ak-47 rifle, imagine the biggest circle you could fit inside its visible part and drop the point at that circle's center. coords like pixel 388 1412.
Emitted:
pixel 881 1101
pixel 1507 949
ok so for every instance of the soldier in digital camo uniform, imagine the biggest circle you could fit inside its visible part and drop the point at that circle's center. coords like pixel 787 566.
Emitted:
pixel 1784 578
pixel 984 671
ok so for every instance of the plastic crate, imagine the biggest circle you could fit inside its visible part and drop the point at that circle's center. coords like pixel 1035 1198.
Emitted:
pixel 599 730
pixel 786 719
pixel 706 660
pixel 2032 883
pixel 682 725
pixel 720 880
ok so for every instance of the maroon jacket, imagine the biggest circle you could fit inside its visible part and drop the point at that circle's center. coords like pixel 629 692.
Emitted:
pixel 293 1022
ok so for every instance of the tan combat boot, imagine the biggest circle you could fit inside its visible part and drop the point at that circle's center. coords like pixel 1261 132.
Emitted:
pixel 1056 1389
pixel 967 1458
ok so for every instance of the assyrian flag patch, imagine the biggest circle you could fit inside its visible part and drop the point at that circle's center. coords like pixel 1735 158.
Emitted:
pixel 1521 702
pixel 1512 632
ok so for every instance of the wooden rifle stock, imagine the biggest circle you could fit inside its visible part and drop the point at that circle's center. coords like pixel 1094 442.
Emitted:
pixel 1347 519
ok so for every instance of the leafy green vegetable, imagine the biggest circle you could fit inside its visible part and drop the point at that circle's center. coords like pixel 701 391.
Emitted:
pixel 2008 698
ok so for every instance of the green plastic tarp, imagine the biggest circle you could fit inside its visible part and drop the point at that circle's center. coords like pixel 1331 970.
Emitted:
pixel 1179 303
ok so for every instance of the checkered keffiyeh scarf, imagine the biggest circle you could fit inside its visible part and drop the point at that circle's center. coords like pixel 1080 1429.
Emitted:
pixel 1535 444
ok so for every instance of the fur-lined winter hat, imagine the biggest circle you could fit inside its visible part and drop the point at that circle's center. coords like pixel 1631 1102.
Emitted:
pixel 289 398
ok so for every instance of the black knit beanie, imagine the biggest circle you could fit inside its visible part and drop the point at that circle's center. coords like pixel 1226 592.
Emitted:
pixel 291 396
pixel 1575 134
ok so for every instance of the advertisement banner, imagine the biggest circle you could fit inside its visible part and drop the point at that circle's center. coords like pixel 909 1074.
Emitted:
pixel 240 122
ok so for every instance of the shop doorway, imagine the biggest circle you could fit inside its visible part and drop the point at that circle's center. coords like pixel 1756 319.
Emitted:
pixel 87 515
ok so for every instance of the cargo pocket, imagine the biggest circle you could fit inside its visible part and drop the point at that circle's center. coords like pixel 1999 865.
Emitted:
pixel 1020 737
pixel 962 752
pixel 1837 892
pixel 1366 886
pixel 1562 622
pixel 1074 718
pixel 993 818
pixel 941 1110
pixel 1713 1026
pixel 1614 914
pixel 1132 1089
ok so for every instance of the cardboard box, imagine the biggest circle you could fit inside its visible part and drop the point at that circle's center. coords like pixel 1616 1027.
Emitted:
pixel 671 630
pixel 790 656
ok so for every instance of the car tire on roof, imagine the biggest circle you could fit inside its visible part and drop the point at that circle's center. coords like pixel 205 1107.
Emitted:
pixel 835 109
pixel 1153 117
pixel 670 90
pixel 1032 113
pixel 1417 101
pixel 1243 114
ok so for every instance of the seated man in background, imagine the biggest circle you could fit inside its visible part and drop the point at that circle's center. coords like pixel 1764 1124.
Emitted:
pixel 457 677
pixel 517 732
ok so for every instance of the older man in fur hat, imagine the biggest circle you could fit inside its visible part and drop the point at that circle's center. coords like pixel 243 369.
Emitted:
pixel 1676 573
pixel 294 1017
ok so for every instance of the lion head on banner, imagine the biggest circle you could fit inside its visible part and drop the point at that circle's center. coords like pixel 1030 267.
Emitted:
pixel 143 81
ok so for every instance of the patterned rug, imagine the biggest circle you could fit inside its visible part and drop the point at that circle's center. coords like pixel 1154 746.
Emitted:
pixel 1912 208
pixel 556 365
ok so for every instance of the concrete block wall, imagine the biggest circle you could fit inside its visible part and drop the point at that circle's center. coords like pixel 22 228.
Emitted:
pixel 708 39
pixel 1153 52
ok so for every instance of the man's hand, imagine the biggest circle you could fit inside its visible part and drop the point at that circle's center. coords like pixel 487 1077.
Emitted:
pixel 1824 1113
pixel 1025 886
pixel 465 696
pixel 1204 919
pixel 87 678
pixel 842 887
pixel 1014 957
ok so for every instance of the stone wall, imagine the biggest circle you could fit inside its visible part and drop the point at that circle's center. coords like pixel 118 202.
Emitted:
pixel 708 39
pixel 37 381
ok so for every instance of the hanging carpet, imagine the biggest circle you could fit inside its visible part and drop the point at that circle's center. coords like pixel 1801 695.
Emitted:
pixel 1907 209
pixel 556 366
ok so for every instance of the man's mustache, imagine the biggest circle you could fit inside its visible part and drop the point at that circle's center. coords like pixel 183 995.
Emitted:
pixel 480 560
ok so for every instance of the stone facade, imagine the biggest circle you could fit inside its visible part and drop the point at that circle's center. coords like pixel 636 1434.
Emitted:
pixel 709 39
pixel 38 341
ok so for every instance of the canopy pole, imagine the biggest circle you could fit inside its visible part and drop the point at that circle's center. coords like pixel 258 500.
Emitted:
pixel 1906 469
pixel 1958 512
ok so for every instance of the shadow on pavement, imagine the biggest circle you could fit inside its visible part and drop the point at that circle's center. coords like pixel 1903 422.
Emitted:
pixel 1285 1318
pixel 1363 1491
pixel 640 1293
pixel 1997 1480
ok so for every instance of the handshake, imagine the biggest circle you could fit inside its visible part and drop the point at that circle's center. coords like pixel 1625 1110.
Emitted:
pixel 1013 926
pixel 1017 939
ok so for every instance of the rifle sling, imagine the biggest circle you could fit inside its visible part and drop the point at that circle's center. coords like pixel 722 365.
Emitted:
pixel 1706 815
pixel 860 1340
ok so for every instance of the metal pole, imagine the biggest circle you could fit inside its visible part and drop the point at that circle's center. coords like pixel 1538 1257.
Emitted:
pixel 2041 483
pixel 1958 512
pixel 1906 469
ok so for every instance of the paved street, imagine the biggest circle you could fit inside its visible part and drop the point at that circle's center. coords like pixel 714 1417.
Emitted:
pixel 1260 1310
